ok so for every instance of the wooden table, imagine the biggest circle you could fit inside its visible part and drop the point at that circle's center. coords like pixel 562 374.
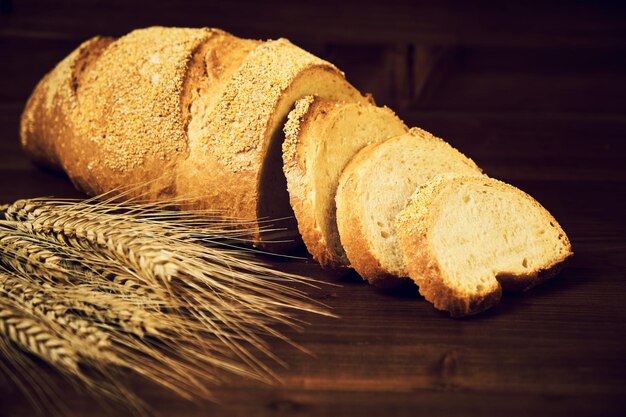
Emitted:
pixel 540 106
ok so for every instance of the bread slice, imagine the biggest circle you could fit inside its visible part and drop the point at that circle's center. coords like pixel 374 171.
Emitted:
pixel 373 189
pixel 465 239
pixel 321 136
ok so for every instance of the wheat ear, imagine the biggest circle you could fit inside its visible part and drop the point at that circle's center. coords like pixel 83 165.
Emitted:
pixel 30 334
pixel 172 290
pixel 233 283
pixel 79 291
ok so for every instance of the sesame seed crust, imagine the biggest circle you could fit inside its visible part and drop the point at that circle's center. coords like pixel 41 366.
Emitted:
pixel 136 87
pixel 54 100
pixel 292 128
pixel 240 120
pixel 233 138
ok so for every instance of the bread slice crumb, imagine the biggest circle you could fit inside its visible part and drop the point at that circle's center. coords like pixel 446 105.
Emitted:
pixel 465 239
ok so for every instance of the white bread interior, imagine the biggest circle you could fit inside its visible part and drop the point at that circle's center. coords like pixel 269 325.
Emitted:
pixel 465 239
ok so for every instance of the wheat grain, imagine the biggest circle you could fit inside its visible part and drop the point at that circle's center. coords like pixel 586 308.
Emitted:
pixel 91 233
pixel 29 257
pixel 27 325
pixel 54 261
pixel 31 334
pixel 71 321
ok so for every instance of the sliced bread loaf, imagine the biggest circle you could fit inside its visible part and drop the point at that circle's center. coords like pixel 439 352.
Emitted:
pixel 373 189
pixel 465 239
pixel 321 136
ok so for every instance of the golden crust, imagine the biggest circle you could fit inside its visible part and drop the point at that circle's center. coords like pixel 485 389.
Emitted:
pixel 53 101
pixel 113 111
pixel 235 138
pixel 295 123
pixel 413 226
pixel 127 127
pixel 242 116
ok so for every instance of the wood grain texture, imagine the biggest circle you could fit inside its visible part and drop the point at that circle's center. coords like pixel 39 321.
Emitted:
pixel 534 93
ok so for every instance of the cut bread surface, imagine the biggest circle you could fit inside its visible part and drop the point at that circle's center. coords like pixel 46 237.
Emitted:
pixel 373 189
pixel 465 239
pixel 321 136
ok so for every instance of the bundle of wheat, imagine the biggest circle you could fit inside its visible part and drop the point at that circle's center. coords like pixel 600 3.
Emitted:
pixel 97 287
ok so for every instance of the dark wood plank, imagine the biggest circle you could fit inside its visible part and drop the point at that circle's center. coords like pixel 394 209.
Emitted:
pixel 482 22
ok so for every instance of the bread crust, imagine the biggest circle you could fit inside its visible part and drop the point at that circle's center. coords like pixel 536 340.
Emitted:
pixel 122 117
pixel 187 114
pixel 310 121
pixel 414 226
pixel 52 100
pixel 250 110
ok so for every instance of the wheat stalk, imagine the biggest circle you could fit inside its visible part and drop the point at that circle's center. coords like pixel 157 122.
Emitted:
pixel 87 328
pixel 44 328
pixel 53 261
pixel 85 312
pixel 162 291
pixel 147 250
pixel 29 257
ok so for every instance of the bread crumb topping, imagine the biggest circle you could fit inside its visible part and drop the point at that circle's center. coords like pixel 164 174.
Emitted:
pixel 292 128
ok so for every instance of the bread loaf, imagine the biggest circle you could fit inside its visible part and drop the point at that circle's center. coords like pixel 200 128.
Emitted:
pixel 375 186
pixel 190 114
pixel 321 136
pixel 464 239
pixel 196 116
